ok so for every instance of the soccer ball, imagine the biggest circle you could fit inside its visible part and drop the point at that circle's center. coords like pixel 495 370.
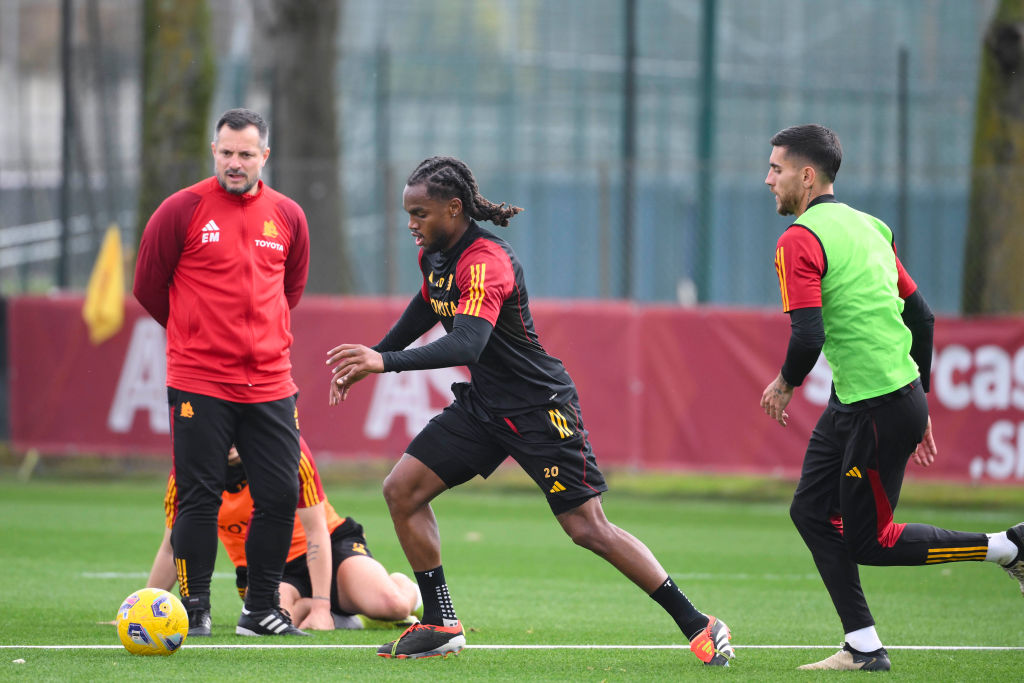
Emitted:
pixel 151 621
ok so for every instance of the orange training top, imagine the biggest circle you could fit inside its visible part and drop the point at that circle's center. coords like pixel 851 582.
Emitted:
pixel 236 510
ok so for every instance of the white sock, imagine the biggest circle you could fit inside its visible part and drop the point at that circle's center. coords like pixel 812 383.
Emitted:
pixel 864 639
pixel 1000 549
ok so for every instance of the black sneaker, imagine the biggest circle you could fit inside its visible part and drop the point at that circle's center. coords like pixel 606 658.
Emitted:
pixel 425 640
pixel 1016 567
pixel 197 607
pixel 267 622
pixel 849 659
pixel 198 622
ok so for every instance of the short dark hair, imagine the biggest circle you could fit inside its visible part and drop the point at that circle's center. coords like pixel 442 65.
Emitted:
pixel 448 177
pixel 815 143
pixel 240 119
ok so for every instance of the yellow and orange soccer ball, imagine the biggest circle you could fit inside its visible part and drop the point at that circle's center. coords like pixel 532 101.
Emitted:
pixel 151 621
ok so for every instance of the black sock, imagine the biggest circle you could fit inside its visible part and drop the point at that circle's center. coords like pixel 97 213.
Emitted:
pixel 690 620
pixel 437 604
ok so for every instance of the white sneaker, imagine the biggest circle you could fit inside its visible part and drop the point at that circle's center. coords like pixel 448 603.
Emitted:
pixel 848 659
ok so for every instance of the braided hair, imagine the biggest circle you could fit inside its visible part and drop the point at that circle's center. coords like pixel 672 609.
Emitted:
pixel 446 177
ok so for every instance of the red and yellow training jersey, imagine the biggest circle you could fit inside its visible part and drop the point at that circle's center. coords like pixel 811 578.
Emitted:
pixel 481 276
pixel 800 263
pixel 222 272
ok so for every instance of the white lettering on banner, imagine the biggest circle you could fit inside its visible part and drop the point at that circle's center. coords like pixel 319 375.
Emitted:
pixel 997 382
pixel 143 381
pixel 987 378
pixel 1006 460
pixel 407 394
pixel 953 360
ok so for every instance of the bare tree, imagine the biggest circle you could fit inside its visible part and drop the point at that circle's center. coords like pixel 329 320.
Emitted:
pixel 178 73
pixel 301 36
pixel 993 276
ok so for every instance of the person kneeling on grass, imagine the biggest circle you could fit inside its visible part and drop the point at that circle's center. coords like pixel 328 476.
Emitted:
pixel 330 580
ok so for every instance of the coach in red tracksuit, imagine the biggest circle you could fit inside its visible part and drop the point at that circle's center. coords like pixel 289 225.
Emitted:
pixel 220 265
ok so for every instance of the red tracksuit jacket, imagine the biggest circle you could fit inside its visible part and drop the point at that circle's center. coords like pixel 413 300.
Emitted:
pixel 222 272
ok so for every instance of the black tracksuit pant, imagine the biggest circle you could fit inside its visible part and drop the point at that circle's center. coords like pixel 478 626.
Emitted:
pixel 203 429
pixel 850 485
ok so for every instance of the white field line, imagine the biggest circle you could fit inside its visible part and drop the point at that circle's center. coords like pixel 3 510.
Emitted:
pixel 139 575
pixel 677 576
pixel 474 646
pixel 697 576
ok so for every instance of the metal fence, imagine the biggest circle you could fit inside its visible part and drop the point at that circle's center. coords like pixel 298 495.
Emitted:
pixel 634 132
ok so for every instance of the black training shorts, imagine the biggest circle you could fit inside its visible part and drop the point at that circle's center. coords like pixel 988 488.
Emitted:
pixel 347 540
pixel 551 444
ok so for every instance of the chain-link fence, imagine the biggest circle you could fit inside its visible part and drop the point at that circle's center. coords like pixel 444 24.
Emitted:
pixel 50 228
pixel 634 132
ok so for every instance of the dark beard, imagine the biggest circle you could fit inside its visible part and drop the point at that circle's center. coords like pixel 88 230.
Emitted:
pixel 240 191
pixel 785 209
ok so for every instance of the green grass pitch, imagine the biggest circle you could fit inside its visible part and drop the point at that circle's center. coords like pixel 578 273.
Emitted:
pixel 536 608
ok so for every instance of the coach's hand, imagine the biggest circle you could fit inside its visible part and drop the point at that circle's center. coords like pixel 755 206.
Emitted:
pixel 775 398
pixel 350 363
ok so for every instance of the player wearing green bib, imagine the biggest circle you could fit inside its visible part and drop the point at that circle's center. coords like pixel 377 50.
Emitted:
pixel 849 296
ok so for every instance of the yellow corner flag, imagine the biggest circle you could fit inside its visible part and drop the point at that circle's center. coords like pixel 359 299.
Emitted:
pixel 103 311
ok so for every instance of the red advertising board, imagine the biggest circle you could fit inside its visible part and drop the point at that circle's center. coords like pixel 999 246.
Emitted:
pixel 661 387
